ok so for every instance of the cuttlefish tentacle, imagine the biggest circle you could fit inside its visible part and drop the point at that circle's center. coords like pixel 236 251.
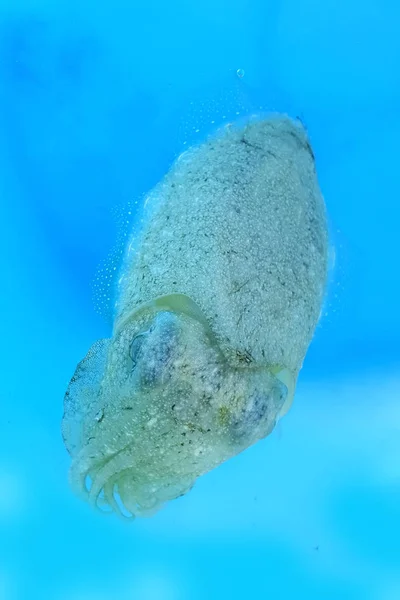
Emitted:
pixel 108 472
pixel 109 494
pixel 86 464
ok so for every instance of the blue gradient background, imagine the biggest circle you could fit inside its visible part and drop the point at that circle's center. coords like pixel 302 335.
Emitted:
pixel 94 104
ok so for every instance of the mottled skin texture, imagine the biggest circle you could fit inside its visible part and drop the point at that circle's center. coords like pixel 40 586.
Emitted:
pixel 241 217
pixel 216 310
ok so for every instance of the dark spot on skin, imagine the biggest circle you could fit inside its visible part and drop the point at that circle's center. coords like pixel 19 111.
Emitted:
pixel 246 142
pixel 310 150
pixel 99 416
pixel 302 143
pixel 244 357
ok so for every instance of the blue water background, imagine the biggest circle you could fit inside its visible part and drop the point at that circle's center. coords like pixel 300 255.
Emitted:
pixel 95 102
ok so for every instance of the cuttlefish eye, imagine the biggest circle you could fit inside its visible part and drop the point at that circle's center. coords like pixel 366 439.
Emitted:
pixel 257 415
pixel 152 350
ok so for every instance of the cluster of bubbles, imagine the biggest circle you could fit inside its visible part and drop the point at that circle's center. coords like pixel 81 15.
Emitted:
pixel 227 102
pixel 105 284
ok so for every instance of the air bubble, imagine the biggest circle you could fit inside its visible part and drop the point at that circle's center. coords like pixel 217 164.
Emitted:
pixel 240 73
pixel 104 285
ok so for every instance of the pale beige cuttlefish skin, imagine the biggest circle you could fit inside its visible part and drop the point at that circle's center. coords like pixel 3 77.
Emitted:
pixel 216 309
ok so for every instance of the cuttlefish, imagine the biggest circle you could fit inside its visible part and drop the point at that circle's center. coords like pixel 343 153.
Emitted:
pixel 217 306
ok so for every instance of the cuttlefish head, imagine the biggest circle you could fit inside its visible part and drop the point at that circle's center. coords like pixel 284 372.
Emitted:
pixel 158 405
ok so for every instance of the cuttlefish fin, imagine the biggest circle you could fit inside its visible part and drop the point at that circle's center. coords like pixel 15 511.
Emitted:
pixel 82 392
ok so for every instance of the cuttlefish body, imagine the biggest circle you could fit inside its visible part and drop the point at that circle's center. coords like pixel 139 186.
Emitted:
pixel 216 309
